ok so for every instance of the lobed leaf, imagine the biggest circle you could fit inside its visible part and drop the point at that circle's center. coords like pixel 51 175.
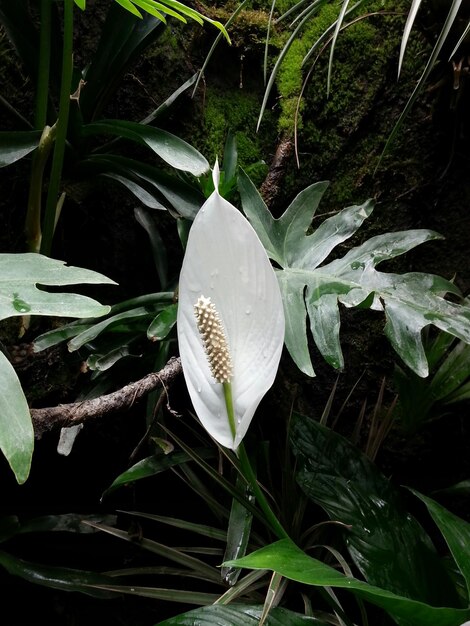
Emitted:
pixel 21 273
pixel 410 301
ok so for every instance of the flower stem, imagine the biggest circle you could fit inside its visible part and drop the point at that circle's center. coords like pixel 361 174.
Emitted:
pixel 229 405
pixel 250 476
pixel 248 472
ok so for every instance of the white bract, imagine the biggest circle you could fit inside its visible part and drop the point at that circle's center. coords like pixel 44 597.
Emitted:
pixel 227 276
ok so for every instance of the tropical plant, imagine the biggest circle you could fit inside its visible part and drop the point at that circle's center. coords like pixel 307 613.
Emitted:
pixel 310 287
pixel 20 275
pixel 421 400
pixel 230 326
pixel 67 144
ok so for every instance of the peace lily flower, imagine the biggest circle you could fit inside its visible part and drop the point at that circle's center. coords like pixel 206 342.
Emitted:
pixel 230 319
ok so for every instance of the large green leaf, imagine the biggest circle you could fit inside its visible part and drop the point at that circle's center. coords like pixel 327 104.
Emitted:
pixel 410 301
pixel 21 273
pixel 239 615
pixel 173 150
pixel 387 544
pixel 456 532
pixel 15 145
pixel 153 187
pixel 19 295
pixel 16 429
pixel 291 562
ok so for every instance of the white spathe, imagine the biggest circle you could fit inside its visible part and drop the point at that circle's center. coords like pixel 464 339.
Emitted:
pixel 226 262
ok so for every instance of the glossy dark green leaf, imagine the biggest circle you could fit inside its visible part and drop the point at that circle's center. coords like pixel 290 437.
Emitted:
pixel 288 560
pixel 63 578
pixel 175 194
pixel 173 150
pixel 15 145
pixel 455 531
pixel 163 323
pixel 21 25
pixel 239 615
pixel 123 38
pixel 238 532
pixel 387 544
pixel 158 246
pixel 151 466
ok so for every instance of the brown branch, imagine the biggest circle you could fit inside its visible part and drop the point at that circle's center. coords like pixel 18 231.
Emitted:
pixel 274 180
pixel 121 400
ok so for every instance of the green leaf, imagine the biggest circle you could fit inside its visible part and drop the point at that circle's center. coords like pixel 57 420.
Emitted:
pixel 173 150
pixel 239 615
pixel 456 532
pixel 63 578
pixel 124 36
pixel 19 295
pixel 238 532
pixel 285 558
pixel 15 145
pixel 410 301
pixel 151 466
pixel 81 4
pixel 338 477
pixel 163 323
pixel 16 429
pixel 200 529
pixel 207 572
pixel 184 199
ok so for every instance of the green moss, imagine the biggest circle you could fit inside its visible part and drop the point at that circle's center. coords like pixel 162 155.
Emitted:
pixel 361 52
pixel 235 110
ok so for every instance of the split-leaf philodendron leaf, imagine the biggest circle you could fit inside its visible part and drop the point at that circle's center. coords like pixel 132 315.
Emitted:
pixel 19 295
pixel 410 301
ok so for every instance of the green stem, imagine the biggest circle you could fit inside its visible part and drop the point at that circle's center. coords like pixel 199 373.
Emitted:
pixel 250 476
pixel 62 124
pixel 248 472
pixel 42 89
pixel 229 404
pixel 33 215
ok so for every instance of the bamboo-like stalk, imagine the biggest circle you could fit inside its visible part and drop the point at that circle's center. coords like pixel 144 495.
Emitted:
pixel 61 133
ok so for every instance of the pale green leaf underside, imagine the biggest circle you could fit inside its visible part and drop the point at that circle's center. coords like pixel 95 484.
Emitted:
pixel 19 295
pixel 314 291
pixel 16 430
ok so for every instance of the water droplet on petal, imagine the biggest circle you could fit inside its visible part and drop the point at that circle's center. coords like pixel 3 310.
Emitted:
pixel 199 389
pixel 248 310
